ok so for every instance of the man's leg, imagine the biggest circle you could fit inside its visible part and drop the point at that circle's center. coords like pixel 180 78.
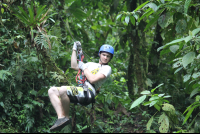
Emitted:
pixel 65 100
pixel 56 102
pixel 63 118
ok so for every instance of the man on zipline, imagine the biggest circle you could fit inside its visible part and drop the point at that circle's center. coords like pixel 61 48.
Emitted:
pixel 96 74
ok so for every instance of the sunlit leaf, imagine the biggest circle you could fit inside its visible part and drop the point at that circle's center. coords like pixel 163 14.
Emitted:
pixel 188 58
pixel 164 120
pixel 138 101
pixel 194 92
pixel 149 123
pixel 127 19
pixel 195 31
pixel 174 48
pixel 152 6
pixel 139 7
pixel 187 3
pixel 157 87
pixel 145 92
pixel 186 77
pixel 2 10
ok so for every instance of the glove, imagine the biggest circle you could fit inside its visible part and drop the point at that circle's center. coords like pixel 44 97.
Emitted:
pixel 77 45
pixel 82 66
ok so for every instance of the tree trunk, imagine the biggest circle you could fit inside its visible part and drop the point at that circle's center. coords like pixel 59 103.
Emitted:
pixel 136 73
pixel 155 56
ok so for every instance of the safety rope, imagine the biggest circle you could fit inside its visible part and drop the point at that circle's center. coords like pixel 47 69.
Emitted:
pixel 80 77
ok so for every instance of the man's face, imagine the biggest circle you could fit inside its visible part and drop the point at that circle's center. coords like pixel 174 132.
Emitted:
pixel 105 57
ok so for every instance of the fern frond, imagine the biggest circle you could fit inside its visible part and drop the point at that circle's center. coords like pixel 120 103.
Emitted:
pixel 42 40
pixel 56 76
pixel 117 74
pixel 4 74
pixel 19 73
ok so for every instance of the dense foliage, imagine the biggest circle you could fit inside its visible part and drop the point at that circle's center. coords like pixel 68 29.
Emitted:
pixel 154 86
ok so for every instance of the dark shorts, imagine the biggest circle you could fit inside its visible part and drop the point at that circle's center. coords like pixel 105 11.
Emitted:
pixel 78 95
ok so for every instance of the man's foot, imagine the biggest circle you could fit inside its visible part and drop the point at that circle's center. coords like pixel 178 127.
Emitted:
pixel 60 123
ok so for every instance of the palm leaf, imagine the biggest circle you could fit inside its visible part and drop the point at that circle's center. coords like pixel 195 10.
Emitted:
pixel 24 20
pixel 40 11
pixel 24 13
pixel 31 13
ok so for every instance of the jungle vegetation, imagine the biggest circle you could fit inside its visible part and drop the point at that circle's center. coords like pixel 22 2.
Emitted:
pixel 154 86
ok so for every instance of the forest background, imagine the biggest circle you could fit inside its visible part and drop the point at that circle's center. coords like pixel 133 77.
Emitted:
pixel 154 86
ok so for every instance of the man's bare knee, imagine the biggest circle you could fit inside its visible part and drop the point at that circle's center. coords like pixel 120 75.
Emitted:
pixel 53 90
pixel 63 90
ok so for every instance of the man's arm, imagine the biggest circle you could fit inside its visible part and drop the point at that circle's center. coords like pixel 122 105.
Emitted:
pixel 74 64
pixel 93 78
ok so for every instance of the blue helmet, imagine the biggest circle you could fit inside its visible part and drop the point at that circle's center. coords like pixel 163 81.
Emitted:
pixel 107 48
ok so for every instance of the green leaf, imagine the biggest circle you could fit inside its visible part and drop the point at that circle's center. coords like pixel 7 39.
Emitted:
pixel 22 19
pixel 165 19
pixel 145 92
pixel 168 107
pixel 127 19
pixel 154 98
pixel 163 1
pixel 33 92
pixel 2 104
pixel 174 41
pixel 32 59
pixel 146 14
pixel 147 103
pixel 118 16
pixel 152 6
pixel 188 58
pixel 174 48
pixel 78 13
pixel 167 96
pixel 40 11
pixel 31 13
pixel 188 38
pixel 194 92
pixel 149 123
pixel 195 31
pixel 138 101
pixel 157 107
pixel 148 82
pixel 132 20
pixel 187 3
pixel 190 112
pixel 19 95
pixel 153 103
pixel 164 120
pixel 69 1
pixel 154 19
pixel 2 10
pixel 188 108
pixel 157 87
pixel 196 75
pixel 181 26
pixel 30 106
pixel 141 6
pixel 23 12
pixel 122 18
pixel 186 77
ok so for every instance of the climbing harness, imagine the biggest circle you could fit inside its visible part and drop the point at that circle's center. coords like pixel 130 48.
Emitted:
pixel 80 79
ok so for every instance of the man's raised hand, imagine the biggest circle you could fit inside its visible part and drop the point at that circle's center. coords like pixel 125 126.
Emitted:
pixel 77 45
